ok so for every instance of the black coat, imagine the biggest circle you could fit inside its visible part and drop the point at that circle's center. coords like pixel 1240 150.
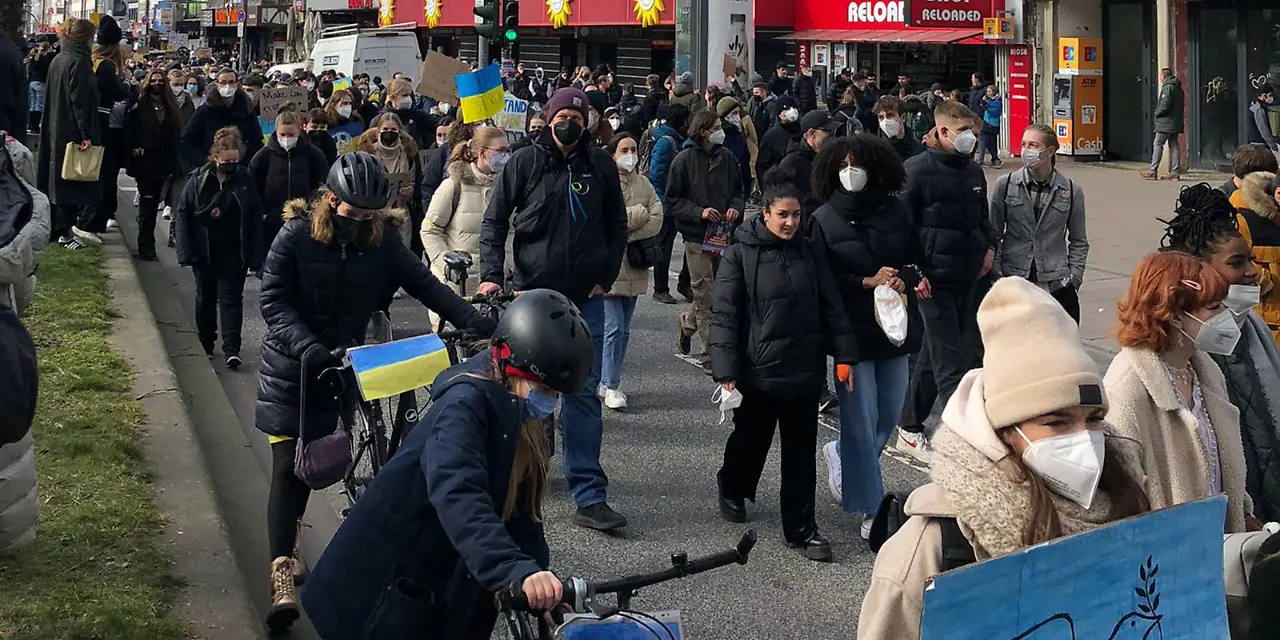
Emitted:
pixel 698 179
pixel 805 93
pixel 214 115
pixel 775 315
pixel 316 293
pixel 906 146
pixel 433 173
pixel 779 86
pixel 18 370
pixel 946 194
pixel 70 116
pixel 13 100
pixel 144 130
pixel 774 145
pixel 569 240
pixel 281 176
pixel 428 529
pixel 799 164
pixel 324 142
pixel 858 234
pixel 192 215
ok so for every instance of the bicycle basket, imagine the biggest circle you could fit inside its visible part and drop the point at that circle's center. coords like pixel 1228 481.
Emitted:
pixel 322 462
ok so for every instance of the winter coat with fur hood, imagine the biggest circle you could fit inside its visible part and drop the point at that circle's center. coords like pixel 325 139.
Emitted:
pixel 1146 408
pixel 1258 217
pixel 974 482
pixel 644 220
pixel 318 289
pixel 457 229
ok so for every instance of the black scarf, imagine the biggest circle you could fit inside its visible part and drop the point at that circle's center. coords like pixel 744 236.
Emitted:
pixel 858 206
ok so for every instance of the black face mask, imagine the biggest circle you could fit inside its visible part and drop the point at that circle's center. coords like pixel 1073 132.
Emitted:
pixel 389 138
pixel 227 168
pixel 348 228
pixel 567 132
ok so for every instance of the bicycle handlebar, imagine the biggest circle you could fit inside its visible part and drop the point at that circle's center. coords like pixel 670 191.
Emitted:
pixel 578 593
pixel 500 297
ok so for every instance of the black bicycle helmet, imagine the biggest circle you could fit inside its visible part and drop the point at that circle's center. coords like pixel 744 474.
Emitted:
pixel 358 179
pixel 548 337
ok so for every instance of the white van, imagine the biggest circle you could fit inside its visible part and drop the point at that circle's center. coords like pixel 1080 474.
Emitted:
pixel 378 52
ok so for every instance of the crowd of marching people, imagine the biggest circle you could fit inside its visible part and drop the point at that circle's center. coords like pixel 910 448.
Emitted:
pixel 880 275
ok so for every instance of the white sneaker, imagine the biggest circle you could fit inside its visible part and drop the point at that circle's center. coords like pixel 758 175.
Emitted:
pixel 866 527
pixel 600 389
pixel 834 479
pixel 615 399
pixel 112 225
pixel 168 213
pixel 86 236
pixel 915 445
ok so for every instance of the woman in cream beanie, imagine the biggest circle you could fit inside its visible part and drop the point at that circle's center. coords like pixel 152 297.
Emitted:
pixel 1023 456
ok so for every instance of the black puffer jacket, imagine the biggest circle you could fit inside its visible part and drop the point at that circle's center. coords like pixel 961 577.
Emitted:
pixel 281 175
pixel 318 293
pixel 858 233
pixel 774 145
pixel 775 315
pixel 805 93
pixel 799 164
pixel 218 112
pixel 699 179
pixel 201 196
pixel 946 194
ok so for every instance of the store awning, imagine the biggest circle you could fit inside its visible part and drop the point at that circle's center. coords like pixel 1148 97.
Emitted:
pixel 916 36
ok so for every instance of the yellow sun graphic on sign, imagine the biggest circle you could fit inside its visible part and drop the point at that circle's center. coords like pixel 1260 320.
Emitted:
pixel 431 9
pixel 386 12
pixel 559 12
pixel 647 12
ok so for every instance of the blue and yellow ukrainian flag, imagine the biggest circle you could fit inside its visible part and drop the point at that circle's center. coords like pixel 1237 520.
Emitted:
pixel 481 93
pixel 385 370
pixel 342 83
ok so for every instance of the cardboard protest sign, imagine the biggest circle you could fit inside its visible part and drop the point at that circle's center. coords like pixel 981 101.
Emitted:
pixel 272 101
pixel 437 77
pixel 1153 576
pixel 513 114
pixel 204 52
pixel 729 68
pixel 399 181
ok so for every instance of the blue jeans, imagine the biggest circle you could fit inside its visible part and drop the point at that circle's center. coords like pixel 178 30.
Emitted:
pixel 617 332
pixel 583 422
pixel 868 415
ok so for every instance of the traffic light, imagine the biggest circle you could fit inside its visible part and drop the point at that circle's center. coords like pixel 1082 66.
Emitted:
pixel 511 20
pixel 488 25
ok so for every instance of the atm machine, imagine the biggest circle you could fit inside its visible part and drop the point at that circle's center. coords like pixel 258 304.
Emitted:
pixel 1077 98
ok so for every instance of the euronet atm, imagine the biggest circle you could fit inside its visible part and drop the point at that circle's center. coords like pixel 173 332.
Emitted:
pixel 1077 98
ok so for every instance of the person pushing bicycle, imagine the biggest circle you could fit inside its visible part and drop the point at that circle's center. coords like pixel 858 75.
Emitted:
pixel 456 515
pixel 323 278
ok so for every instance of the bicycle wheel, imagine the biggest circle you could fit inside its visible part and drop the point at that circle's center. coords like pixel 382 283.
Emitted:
pixel 368 449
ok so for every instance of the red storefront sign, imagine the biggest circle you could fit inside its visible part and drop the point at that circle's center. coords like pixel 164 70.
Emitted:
pixel 566 14
pixel 453 13
pixel 952 14
pixel 892 14
pixel 1019 95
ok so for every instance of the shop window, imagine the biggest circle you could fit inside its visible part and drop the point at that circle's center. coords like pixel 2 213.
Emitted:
pixel 1219 85
pixel 1262 57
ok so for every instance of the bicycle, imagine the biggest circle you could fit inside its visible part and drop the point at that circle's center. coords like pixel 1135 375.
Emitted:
pixel 580 596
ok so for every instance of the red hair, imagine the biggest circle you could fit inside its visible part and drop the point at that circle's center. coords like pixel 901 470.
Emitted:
pixel 1163 287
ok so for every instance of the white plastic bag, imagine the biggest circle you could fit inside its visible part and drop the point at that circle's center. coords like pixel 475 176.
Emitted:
pixel 891 314
pixel 728 401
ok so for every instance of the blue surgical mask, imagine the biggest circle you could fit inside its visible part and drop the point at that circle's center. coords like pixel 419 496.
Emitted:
pixel 539 405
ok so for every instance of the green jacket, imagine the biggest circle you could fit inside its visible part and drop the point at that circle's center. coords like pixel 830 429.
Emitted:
pixel 1170 107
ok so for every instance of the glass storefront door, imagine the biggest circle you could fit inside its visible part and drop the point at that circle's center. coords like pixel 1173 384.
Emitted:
pixel 1130 84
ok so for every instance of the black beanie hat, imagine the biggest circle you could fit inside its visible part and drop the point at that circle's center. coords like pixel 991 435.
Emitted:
pixel 108 31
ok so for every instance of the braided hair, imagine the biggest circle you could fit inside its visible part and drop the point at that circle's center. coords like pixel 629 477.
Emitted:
pixel 1203 218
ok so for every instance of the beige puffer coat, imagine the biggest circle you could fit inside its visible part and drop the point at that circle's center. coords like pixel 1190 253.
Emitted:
pixel 446 230
pixel 644 220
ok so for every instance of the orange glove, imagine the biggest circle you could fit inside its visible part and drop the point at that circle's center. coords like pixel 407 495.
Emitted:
pixel 844 374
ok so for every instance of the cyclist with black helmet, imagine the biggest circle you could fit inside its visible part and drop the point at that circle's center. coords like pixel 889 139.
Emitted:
pixel 323 278
pixel 456 515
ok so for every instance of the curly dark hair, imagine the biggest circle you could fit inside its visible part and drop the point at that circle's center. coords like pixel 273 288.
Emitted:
pixel 1203 218
pixel 873 153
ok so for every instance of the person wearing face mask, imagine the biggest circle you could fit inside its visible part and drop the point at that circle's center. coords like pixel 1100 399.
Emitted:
pixel 1258 218
pixel 252 87
pixel 227 106
pixel 776 140
pixel 560 203
pixel 775 315
pixel 316 297
pixel 316 127
pixel 197 89
pixel 467 491
pixel 150 129
pixel 737 139
pixel 387 141
pixel 457 207
pixel 946 193
pixel 805 91
pixel 419 124
pixel 345 123
pixel 288 167
pixel 540 87
pixel 1257 119
pixel 218 230
pixel 598 127
pixel 1204 226
pixel 1039 220
pixel 704 194
pixel 438 159
pixel 866 235
pixel 644 221
pixel 1169 396
pixel 1025 457
pixel 815 128
pixel 761 108
pixel 889 115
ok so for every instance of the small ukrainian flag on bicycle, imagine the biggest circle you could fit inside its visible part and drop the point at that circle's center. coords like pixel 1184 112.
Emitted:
pixel 392 368
pixel 481 94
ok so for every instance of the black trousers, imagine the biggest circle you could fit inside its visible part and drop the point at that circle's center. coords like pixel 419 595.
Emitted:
pixel 661 271
pixel 287 501
pixel 747 449
pixel 952 346
pixel 64 217
pixel 149 199
pixel 94 218
pixel 1069 298
pixel 220 296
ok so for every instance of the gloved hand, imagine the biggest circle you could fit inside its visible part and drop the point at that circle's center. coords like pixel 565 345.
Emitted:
pixel 317 358
pixel 844 374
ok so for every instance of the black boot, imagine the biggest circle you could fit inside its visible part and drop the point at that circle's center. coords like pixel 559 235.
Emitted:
pixel 815 547
pixel 731 509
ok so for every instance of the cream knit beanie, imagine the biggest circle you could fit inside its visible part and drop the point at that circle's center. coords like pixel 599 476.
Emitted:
pixel 1034 362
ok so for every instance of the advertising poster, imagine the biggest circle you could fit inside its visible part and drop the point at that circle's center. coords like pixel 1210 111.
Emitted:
pixel 1019 94
pixel 730 32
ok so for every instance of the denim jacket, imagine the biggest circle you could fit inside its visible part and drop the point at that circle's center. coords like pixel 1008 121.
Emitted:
pixel 1057 242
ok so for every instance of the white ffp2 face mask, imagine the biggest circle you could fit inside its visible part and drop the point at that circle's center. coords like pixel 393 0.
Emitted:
pixel 1070 464
pixel 891 127
pixel 728 401
pixel 1243 297
pixel 965 142
pixel 853 179
pixel 1218 335
pixel 717 136
pixel 627 162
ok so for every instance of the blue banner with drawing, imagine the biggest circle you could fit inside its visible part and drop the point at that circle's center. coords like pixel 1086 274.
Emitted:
pixel 1153 577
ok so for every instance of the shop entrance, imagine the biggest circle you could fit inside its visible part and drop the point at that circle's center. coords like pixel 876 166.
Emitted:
pixel 1131 78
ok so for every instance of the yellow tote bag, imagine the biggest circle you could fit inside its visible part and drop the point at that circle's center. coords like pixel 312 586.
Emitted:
pixel 81 166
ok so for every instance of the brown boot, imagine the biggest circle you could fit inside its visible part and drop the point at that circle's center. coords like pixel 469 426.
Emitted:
pixel 284 603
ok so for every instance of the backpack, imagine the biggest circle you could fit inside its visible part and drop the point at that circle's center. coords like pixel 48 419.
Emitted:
pixel 956 550
pixel 849 125
pixel 646 152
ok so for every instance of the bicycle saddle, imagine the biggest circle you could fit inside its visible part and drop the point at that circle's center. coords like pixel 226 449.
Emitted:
pixel 457 259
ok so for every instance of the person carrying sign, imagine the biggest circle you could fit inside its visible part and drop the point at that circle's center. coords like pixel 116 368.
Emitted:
pixel 1023 457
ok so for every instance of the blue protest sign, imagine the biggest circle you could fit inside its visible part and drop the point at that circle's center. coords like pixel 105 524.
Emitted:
pixel 1153 577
